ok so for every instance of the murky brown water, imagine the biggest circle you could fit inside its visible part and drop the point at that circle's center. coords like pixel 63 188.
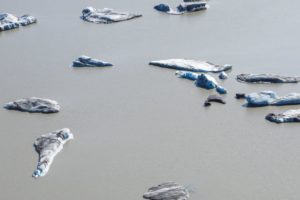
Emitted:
pixel 137 125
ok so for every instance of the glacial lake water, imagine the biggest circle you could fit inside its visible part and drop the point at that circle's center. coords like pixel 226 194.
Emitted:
pixel 137 125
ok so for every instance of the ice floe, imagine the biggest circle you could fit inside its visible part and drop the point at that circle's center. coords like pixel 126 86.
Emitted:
pixel 85 61
pixel 34 105
pixel 106 15
pixel 287 116
pixel 48 146
pixel 167 191
pixel 266 78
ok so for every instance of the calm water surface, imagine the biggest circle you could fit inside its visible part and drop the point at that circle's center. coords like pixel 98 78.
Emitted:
pixel 137 125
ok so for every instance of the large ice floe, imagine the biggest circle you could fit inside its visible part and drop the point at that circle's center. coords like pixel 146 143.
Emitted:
pixel 9 21
pixel 266 78
pixel 186 6
pixel 266 98
pixel 85 61
pixel 106 15
pixel 287 116
pixel 167 191
pixel 48 146
pixel 34 105
pixel 190 65
pixel 202 80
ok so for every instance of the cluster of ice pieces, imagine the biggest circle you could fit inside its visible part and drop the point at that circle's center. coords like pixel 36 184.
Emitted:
pixel 205 81
pixel 186 6
pixel 9 21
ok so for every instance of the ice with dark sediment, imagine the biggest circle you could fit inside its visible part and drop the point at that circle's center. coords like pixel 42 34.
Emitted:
pixel 167 191
pixel 240 95
pixel 106 15
pixel 267 78
pixel 287 116
pixel 186 6
pixel 34 105
pixel 190 65
pixel 48 146
pixel 266 98
pixel 85 61
pixel 9 21
pixel 214 98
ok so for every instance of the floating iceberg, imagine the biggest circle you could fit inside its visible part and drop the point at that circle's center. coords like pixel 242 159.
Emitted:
pixel 48 146
pixel 85 61
pixel 186 6
pixel 106 15
pixel 9 21
pixel 223 76
pixel 34 105
pixel 208 82
pixel 287 116
pixel 190 65
pixel 266 78
pixel 214 98
pixel 266 98
pixel 167 191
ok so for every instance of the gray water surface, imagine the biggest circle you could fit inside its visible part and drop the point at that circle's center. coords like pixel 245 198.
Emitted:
pixel 137 125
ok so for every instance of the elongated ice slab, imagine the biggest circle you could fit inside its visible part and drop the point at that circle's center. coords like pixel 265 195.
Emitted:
pixel 34 105
pixel 48 146
pixel 190 65
pixel 106 15
pixel 266 98
pixel 266 78
pixel 287 116
pixel 85 61
pixel 167 191
pixel 9 21
pixel 187 6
